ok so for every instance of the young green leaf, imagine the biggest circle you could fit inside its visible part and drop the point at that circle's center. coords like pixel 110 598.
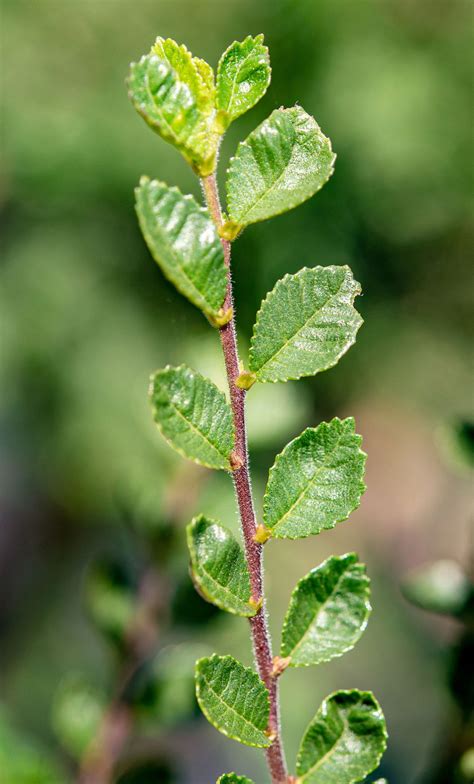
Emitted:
pixel 183 240
pixel 243 76
pixel 305 324
pixel 174 93
pixel 316 481
pixel 345 740
pixel 219 566
pixel 192 71
pixel 233 778
pixel 328 612
pixel 233 699
pixel 193 415
pixel 281 164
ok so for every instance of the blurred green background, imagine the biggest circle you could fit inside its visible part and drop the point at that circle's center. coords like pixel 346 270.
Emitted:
pixel 87 316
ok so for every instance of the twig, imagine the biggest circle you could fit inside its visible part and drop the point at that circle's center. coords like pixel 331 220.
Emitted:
pixel 241 476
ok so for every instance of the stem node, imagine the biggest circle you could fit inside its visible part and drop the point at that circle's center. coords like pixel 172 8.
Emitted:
pixel 262 534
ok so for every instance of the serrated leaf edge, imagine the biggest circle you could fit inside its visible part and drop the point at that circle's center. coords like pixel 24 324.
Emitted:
pixel 362 485
pixel 168 441
pixel 192 551
pixel 345 692
pixel 290 205
pixel 206 714
pixel 281 282
pixel 207 309
pixel 258 39
pixel 355 560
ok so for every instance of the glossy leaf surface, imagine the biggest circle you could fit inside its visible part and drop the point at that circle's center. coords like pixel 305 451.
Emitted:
pixel 305 324
pixel 328 612
pixel 344 742
pixel 174 93
pixel 280 165
pixel 243 76
pixel 193 415
pixel 233 699
pixel 183 240
pixel 219 566
pixel 316 481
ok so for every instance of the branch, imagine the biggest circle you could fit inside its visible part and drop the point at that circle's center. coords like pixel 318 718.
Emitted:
pixel 241 476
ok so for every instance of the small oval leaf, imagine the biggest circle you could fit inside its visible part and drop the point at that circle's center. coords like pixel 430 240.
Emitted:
pixel 316 481
pixel 193 415
pixel 233 699
pixel 305 324
pixel 281 164
pixel 328 612
pixel 183 240
pixel 345 740
pixel 219 567
pixel 174 93
pixel 243 75
pixel 233 778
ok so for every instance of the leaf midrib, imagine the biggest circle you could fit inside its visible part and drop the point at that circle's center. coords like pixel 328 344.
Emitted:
pixel 199 433
pixel 229 707
pixel 328 754
pixel 272 186
pixel 181 269
pixel 222 587
pixel 320 609
pixel 179 137
pixel 303 326
pixel 311 482
pixel 234 81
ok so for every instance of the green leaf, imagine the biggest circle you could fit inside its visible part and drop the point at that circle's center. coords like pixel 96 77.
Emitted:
pixel 316 481
pixel 77 712
pixel 233 778
pixel 192 71
pixel 328 612
pixel 174 93
pixel 183 240
pixel 219 566
pixel 243 76
pixel 193 415
pixel 305 324
pixel 280 165
pixel 345 740
pixel 441 587
pixel 233 699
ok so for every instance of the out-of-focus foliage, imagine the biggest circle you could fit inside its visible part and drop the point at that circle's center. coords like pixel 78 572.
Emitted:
pixel 23 762
pixel 85 315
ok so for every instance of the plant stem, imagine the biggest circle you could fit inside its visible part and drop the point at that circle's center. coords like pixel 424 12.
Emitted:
pixel 241 476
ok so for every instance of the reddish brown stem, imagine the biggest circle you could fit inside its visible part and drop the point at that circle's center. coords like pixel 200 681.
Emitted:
pixel 241 476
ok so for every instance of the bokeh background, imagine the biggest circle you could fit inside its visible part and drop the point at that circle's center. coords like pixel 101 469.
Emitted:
pixel 86 316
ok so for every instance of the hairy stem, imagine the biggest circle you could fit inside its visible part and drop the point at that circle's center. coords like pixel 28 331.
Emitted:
pixel 241 476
